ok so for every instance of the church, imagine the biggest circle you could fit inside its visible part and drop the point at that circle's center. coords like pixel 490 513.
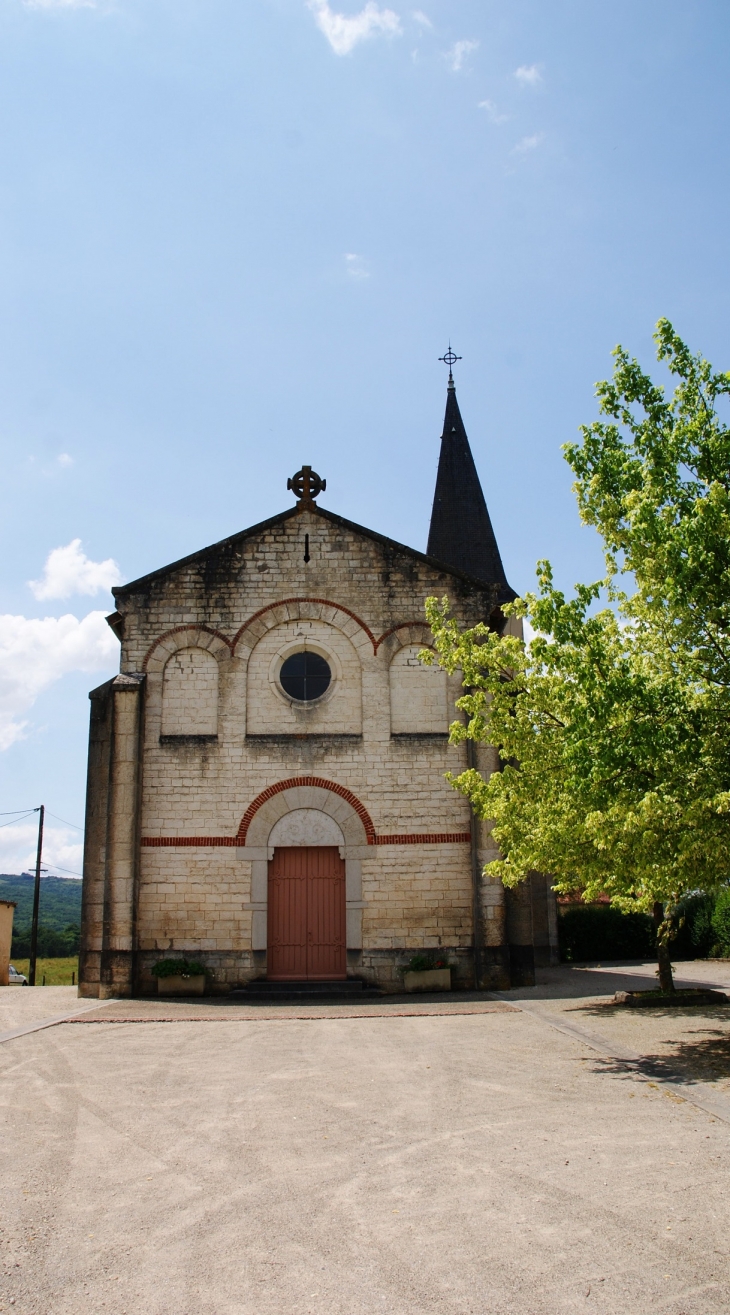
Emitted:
pixel 266 781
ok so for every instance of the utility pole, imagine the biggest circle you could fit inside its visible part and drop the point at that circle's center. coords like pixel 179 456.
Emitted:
pixel 36 898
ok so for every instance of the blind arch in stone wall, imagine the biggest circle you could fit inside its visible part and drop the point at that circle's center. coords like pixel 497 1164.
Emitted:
pixel 190 693
pixel 166 647
pixel 418 695
pixel 270 710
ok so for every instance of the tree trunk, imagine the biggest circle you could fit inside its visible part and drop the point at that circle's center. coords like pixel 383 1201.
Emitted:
pixel 663 933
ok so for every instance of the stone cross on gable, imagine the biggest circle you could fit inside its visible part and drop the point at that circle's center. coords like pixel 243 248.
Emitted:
pixel 307 485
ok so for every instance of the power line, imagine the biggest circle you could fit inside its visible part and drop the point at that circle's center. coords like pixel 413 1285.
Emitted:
pixel 65 823
pixel 17 819
pixel 27 811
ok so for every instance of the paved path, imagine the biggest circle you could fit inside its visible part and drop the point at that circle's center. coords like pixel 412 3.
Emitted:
pixel 458 1163
pixel 70 1014
pixel 21 1006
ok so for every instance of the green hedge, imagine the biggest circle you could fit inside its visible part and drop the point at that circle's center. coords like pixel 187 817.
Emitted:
pixel 599 931
pixel 721 923
pixel 696 938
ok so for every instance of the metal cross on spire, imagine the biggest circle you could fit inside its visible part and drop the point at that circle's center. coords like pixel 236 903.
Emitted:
pixel 450 358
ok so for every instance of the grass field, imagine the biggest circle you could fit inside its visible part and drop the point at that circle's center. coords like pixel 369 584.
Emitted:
pixel 57 972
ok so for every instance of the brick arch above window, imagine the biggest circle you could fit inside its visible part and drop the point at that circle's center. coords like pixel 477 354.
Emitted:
pixel 405 634
pixel 188 636
pixel 303 609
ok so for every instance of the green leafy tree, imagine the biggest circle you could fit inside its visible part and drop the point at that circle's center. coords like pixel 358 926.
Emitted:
pixel 653 477
pixel 612 725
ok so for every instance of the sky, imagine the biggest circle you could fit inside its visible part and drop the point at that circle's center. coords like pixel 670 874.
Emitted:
pixel 237 236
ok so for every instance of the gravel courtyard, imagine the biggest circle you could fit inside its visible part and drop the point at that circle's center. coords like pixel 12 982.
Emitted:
pixel 455 1155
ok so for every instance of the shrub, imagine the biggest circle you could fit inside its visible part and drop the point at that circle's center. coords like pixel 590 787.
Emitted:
pixel 721 923
pixel 600 931
pixel 178 968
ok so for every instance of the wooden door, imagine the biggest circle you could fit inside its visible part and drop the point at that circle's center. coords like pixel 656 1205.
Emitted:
pixel 306 919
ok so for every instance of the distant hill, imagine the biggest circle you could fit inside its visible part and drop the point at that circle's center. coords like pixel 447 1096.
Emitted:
pixel 60 905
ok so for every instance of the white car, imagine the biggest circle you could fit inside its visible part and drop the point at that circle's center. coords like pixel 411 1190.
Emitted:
pixel 16 978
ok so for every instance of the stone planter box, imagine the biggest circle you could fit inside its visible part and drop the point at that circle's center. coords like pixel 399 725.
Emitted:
pixel 434 979
pixel 178 985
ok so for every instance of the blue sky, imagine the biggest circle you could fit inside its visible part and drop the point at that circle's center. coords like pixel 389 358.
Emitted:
pixel 235 237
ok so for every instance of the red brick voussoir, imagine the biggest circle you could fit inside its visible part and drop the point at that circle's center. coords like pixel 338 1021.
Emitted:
pixel 292 784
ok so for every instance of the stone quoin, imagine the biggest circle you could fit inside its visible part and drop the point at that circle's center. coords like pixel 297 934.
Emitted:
pixel 266 779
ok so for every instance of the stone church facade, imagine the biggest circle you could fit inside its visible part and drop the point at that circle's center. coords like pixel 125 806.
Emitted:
pixel 266 786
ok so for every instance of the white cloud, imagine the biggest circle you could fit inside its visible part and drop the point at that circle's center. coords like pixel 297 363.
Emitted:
pixel 459 52
pixel 356 267
pixel 492 111
pixel 64 459
pixel 528 144
pixel 528 75
pixel 36 653
pixel 419 17
pixel 62 849
pixel 69 571
pixel 344 33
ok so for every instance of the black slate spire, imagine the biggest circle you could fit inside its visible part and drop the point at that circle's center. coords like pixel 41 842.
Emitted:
pixel 461 533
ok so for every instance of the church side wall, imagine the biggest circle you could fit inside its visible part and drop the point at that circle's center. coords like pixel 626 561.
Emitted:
pixel 101 725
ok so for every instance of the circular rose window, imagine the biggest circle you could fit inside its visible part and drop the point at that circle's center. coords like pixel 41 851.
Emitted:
pixel 305 676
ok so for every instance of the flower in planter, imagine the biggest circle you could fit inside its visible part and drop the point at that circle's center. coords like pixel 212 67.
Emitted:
pixel 425 963
pixel 178 968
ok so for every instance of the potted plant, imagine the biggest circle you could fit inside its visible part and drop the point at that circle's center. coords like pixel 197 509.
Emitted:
pixel 179 977
pixel 427 972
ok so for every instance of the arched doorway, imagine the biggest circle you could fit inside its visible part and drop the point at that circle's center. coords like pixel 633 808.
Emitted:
pixel 306 915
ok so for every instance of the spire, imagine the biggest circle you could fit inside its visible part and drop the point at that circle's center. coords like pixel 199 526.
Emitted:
pixel 461 533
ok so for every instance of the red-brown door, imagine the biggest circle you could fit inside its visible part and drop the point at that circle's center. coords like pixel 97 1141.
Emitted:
pixel 306 933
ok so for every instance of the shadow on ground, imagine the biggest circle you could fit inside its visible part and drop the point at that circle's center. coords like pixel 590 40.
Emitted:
pixel 702 1057
pixel 584 980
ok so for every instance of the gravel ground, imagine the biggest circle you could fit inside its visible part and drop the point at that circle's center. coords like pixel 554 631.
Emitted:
pixel 477 1162
pixel 690 1044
